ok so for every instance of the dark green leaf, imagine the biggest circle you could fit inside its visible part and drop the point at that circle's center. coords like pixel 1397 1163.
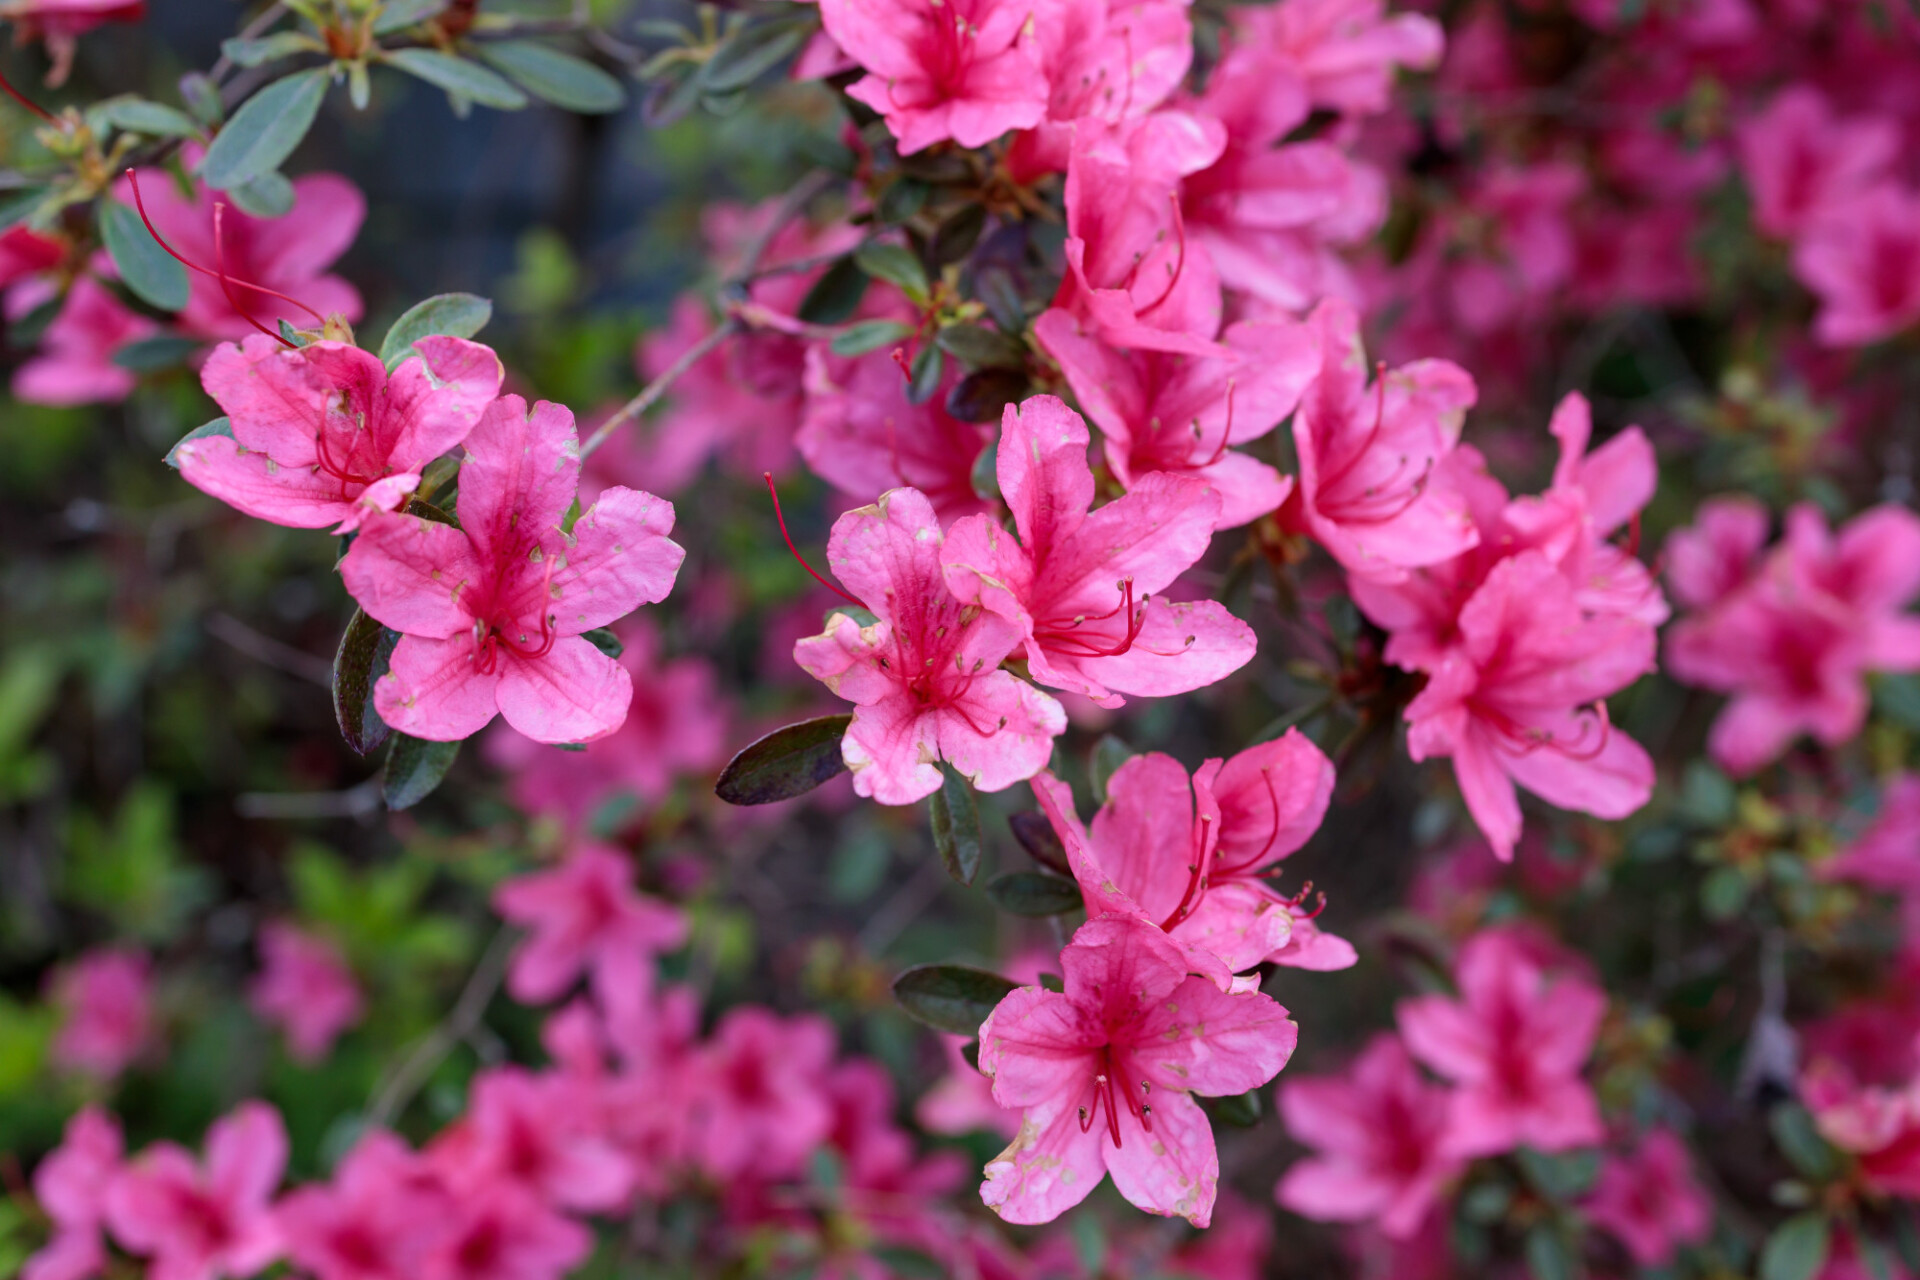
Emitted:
pixel 1034 893
pixel 1897 697
pixel 1560 1177
pixel 365 648
pixel 428 511
pixel 836 295
pixel 869 335
pixel 1801 1143
pixel 950 997
pixel 415 767
pixel 556 77
pixel 137 115
pixel 457 76
pixel 603 639
pixel 268 196
pixel 786 763
pixel 1240 1111
pixel 144 267
pixel 26 330
pixel 955 237
pixel 218 427
pixel 1050 982
pixel 257 52
pixel 924 373
pixel 984 396
pixel 456 315
pixel 900 201
pixel 1002 297
pixel 18 206
pixel 1707 797
pixel 1042 843
pixel 265 130
pixel 1797 1249
pixel 754 50
pixel 896 265
pixel 985 477
pixel 1108 755
pixel 397 15
pixel 908 1264
pixel 978 347
pixel 151 354
pixel 1548 1255
pixel 955 817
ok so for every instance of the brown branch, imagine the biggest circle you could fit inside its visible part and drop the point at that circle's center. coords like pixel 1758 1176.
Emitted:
pixel 459 1025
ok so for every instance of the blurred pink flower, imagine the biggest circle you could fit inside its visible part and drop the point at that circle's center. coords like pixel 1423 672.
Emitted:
pixel 502 1231
pixel 1713 557
pixel 586 919
pixel 74 361
pixel 1650 1199
pixel 1800 160
pixel 306 988
pixel 1863 262
pixel 202 1221
pixel 758 1100
pixel 105 1000
pixel 71 1186
pixel 60 22
pixel 378 1219
pixel 961 1101
pixel 1887 854
pixel 530 1130
pixel 1346 51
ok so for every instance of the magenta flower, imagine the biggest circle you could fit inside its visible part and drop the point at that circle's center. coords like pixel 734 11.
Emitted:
pixel 1079 584
pixel 1513 1045
pixel 1105 1072
pixel 1650 1199
pixel 531 1130
pixel 966 70
pixel 1887 854
pixel 71 1185
pixel 758 1087
pixel 74 362
pixel 1377 1129
pixel 1863 263
pixel 502 1231
pixel 379 1218
pixel 492 613
pixel 1521 699
pixel 105 1000
pixel 586 919
pixel 1715 556
pixel 203 1221
pixel 1112 61
pixel 323 435
pixel 1346 50
pixel 1800 160
pixel 1180 414
pixel 924 679
pixel 306 988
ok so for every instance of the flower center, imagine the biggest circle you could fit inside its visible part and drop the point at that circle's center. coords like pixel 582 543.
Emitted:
pixel 1112 1089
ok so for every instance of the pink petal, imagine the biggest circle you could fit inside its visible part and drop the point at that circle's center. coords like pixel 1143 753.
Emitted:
pixel 1441 1034
pixel 246 1155
pixel 1144 836
pixel 1202 1040
pixel 1035 1044
pixel 621 558
pixel 306 240
pixel 297 497
pixel 1049 1167
pixel 432 690
pixel 1044 477
pixel 574 694
pixel 1180 648
pixel 410 573
pixel 1272 797
pixel 519 478
pixel 1020 722
pixel 891 748
pixel 1174 1171
pixel 434 397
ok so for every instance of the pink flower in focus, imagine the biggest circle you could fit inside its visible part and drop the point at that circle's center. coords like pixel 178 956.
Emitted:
pixel 378 1219
pixel 1513 1045
pixel 491 614
pixel 586 919
pixel 1106 1070
pixel 1863 263
pixel 531 1130
pixel 323 435
pixel 204 1221
pixel 502 1231
pixel 1713 557
pixel 966 70
pixel 1800 160
pixel 759 1100
pixel 105 1000
pixel 1112 59
pixel 1080 584
pixel 1650 1199
pixel 71 1185
pixel 74 361
pixel 306 988
pixel 1378 1129
pixel 924 679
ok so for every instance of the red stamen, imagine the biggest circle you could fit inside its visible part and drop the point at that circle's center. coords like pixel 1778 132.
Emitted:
pixel 1179 263
pixel 226 281
pixel 133 180
pixel 27 102
pixel 1198 874
pixel 1273 798
pixel 1226 432
pixel 778 515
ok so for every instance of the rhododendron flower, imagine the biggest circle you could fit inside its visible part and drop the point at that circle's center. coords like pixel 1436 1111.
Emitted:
pixel 491 614
pixel 502 1231
pixel 1377 1130
pixel 324 435
pixel 531 1130
pixel 306 988
pixel 106 1004
pixel 1800 160
pixel 1521 699
pixel 1651 1201
pixel 1861 1081
pixel 380 1217
pixel 71 1186
pixel 924 679
pixel 1513 1044
pixel 1345 50
pixel 1794 645
pixel 758 1093
pixel 966 70
pixel 1111 59
pixel 585 919
pixel 1105 1071
pixel 1079 584
pixel 1179 414
pixel 74 361
pixel 1887 854
pixel 1863 263
pixel 1710 559
pixel 201 1221
pixel 1371 490
pixel 25 252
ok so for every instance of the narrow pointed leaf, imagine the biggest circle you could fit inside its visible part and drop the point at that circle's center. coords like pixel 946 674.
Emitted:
pixel 144 266
pixel 951 997
pixel 786 763
pixel 456 315
pixel 1037 836
pixel 397 15
pixel 1797 1249
pixel 836 295
pixel 894 264
pixel 956 825
pixel 365 649
pixel 265 130
pixel 468 80
pixel 137 115
pixel 1034 893
pixel 556 77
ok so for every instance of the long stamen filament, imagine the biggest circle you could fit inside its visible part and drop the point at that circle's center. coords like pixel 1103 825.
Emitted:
pixel 140 204
pixel 778 515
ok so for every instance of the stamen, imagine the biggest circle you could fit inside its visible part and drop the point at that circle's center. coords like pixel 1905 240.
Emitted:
pixel 226 281
pixel 27 102
pixel 1198 874
pixel 1179 263
pixel 1273 798
pixel 133 180
pixel 778 515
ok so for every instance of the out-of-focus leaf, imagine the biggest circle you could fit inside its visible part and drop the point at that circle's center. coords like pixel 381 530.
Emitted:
pixel 556 77
pixel 1239 1111
pixel 455 315
pixel 786 763
pixel 956 235
pixel 754 50
pixel 132 869
pixel 19 205
pixel 979 347
pixel 265 130
pixel 1002 298
pixel 1037 836
pixel 1797 1249
pixel 603 639
pixel 365 649
pixel 415 767
pixel 869 335
pixel 894 264
pixel 1559 1177
pixel 1548 1255
pixel 950 997
pixel 269 195
pixel 983 396
pixel 144 267
pixel 1707 797
pixel 137 115
pixel 900 202
pixel 836 295
pixel 397 15
pixel 165 351
pixel 218 427
pixel 955 817
pixel 1801 1143
pixel 924 373
pixel 1108 755
pixel 264 49
pixel 457 76
pixel 1033 893
pixel 202 97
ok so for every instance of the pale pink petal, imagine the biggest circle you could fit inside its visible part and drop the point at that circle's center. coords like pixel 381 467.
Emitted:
pixel 297 497
pixel 1175 1170
pixel 410 573
pixel 574 694
pixel 621 558
pixel 519 477
pixel 433 691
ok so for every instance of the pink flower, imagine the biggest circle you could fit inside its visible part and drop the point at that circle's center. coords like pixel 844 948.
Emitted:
pixel 203 1221
pixel 1378 1129
pixel 502 1231
pixel 323 435
pixel 492 613
pixel 1345 50
pixel 106 1005
pixel 1887 854
pixel 531 1130
pixel 1800 160
pixel 1111 60
pixel 1651 1201
pixel 966 70
pixel 61 22
pixel 1371 489
pixel 1794 645
pixel 1863 263
pixel 1714 556
pixel 379 1218
pixel 1079 584
pixel 962 1100
pixel 289 254
pixel 1513 1044
pixel 586 919
pixel 25 252
pixel 71 1186
pixel 1106 1070
pixel 74 362
pixel 1179 414
pixel 924 679
pixel 306 988
pixel 759 1102
pixel 1521 700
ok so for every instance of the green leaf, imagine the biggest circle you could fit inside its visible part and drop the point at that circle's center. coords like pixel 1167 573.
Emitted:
pixel 457 76
pixel 1042 843
pixel 1723 893
pixel 950 997
pixel 269 195
pixel 415 767
pixel 365 649
pixel 836 295
pixel 137 115
pixel 983 396
pixel 1797 1249
pixel 900 201
pixel 202 97
pixel 1548 1255
pixel 928 367
pixel 754 50
pixel 1001 295
pixel 556 77
pixel 281 44
pixel 869 335
pixel 1108 755
pixel 1559 1177
pixel 786 763
pixel 1707 797
pixel 397 15
pixel 265 130
pixel 1034 893
pixel 956 235
pixel 1240 1110
pixel 1801 1143
pixel 956 824
pixel 603 639
pixel 896 265
pixel 979 347
pixel 19 205
pixel 164 351
pixel 456 315
pixel 155 278
pixel 218 427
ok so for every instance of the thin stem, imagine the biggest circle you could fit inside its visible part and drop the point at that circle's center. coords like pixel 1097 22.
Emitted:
pixel 459 1023
pixel 778 515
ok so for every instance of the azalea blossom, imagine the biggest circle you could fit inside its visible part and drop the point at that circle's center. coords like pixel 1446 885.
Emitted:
pixel 1345 50
pixel 1713 557
pixel 758 1099
pixel 305 987
pixel 74 361
pixel 379 1218
pixel 106 1004
pixel 71 1184
pixel 502 1231
pixel 1863 262
pixel 1800 160
pixel 530 1130
pixel 204 1220
pixel 1650 1199
pixel 586 918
